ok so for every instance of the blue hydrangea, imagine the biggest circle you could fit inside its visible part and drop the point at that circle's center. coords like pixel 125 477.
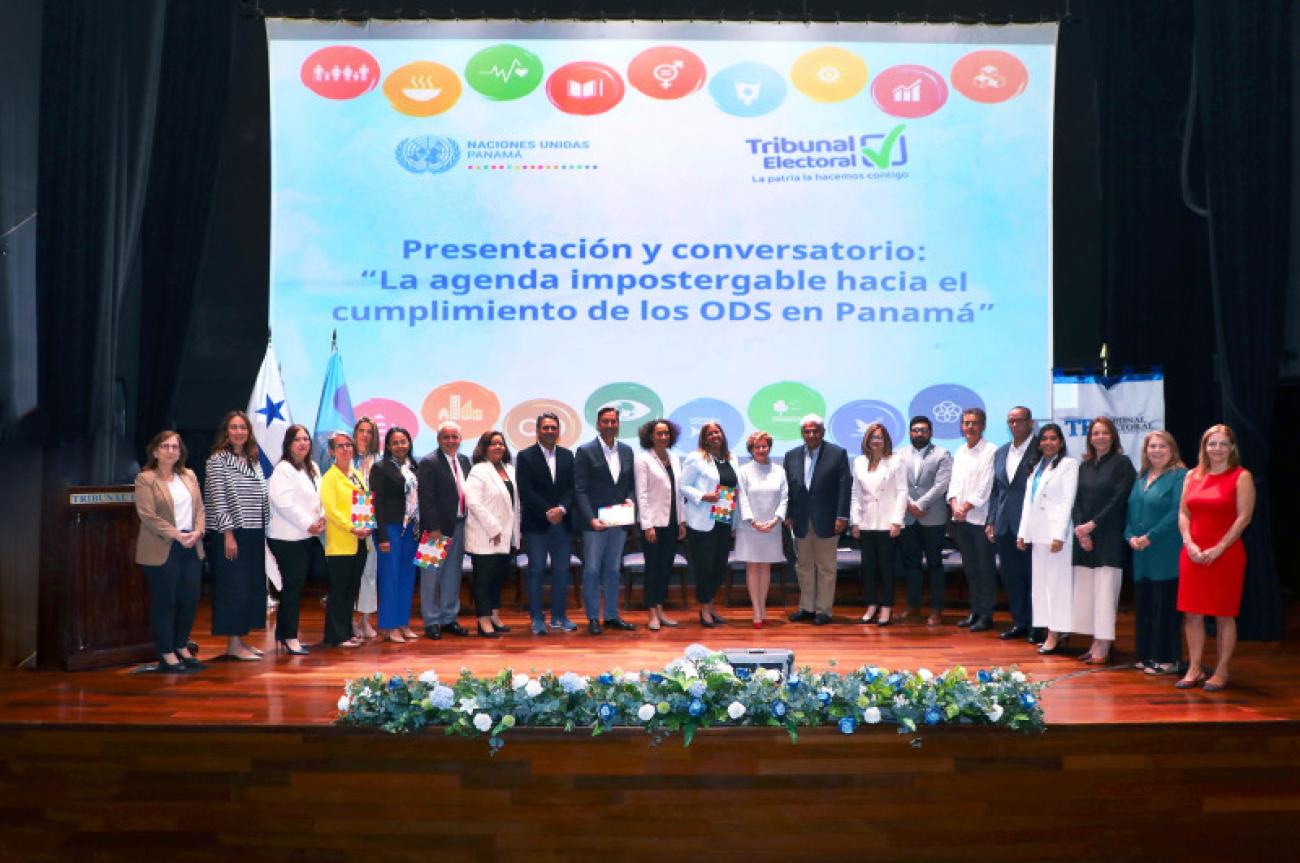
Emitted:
pixel 873 674
pixel 895 680
pixel 606 678
pixel 655 677
pixel 848 725
pixel 933 716
pixel 442 697
pixel 697 689
pixel 779 709
pixel 696 707
pixel 984 676
pixel 572 683
pixel 395 682
pixel 696 652
pixel 794 681
pixel 824 696
pixel 1027 700
pixel 742 673
pixel 605 712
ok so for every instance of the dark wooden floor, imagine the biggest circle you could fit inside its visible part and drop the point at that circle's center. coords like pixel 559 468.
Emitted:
pixel 283 690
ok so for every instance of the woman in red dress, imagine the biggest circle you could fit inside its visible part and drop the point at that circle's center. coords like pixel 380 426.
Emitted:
pixel 1218 501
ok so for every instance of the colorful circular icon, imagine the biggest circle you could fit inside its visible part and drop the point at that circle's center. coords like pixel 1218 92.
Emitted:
pixel 909 91
pixel 504 72
pixel 778 408
pixel 692 416
pixel 472 406
pixel 636 404
pixel 829 74
pixel 388 413
pixel 943 404
pixel 990 76
pixel 747 89
pixel 520 424
pixel 422 89
pixel 584 88
pixel 851 421
pixel 666 72
pixel 340 72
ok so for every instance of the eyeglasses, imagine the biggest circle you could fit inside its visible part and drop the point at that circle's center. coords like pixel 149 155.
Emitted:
pixel 343 446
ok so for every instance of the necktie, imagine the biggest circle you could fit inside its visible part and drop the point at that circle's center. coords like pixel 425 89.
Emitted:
pixel 460 488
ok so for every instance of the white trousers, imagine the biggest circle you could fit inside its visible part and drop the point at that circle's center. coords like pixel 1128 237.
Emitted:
pixel 1096 599
pixel 368 596
pixel 1053 587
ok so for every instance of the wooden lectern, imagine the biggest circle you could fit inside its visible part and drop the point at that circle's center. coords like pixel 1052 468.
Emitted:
pixel 94 607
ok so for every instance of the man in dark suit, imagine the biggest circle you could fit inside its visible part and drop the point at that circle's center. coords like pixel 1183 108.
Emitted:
pixel 602 476
pixel 544 472
pixel 817 475
pixel 1010 473
pixel 441 479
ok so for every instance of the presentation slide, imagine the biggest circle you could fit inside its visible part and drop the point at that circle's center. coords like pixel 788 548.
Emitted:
pixel 740 222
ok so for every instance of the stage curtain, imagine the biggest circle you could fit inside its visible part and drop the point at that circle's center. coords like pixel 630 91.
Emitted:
pixel 99 87
pixel 1243 77
pixel 192 97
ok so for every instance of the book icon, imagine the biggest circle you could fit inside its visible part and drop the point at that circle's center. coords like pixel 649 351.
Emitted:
pixel 592 89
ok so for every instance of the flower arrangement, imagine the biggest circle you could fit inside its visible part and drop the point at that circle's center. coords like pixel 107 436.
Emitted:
pixel 698 690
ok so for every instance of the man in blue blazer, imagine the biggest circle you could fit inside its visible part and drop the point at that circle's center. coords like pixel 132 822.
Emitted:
pixel 441 488
pixel 1010 473
pixel 817 475
pixel 544 472
pixel 602 476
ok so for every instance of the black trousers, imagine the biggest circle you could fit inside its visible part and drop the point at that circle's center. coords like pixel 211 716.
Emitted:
pixel 977 561
pixel 1016 579
pixel 1159 623
pixel 659 557
pixel 708 550
pixel 174 591
pixel 877 566
pixel 915 539
pixel 345 583
pixel 489 574
pixel 294 557
pixel 239 585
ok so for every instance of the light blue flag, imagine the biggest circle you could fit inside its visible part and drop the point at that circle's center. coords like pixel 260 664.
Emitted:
pixel 335 411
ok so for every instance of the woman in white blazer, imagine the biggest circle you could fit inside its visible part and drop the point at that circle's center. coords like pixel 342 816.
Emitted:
pixel 660 510
pixel 1045 526
pixel 293 535
pixel 877 503
pixel 491 527
pixel 704 472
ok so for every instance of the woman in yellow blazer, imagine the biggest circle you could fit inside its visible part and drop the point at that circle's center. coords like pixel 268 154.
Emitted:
pixel 345 547
pixel 169 548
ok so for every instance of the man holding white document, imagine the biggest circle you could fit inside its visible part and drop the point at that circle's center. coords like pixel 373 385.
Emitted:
pixel 603 489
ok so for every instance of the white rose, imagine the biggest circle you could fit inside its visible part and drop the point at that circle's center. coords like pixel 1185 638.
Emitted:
pixel 1018 676
pixel 773 674
pixel 645 712
pixel 735 710
pixel 533 688
pixel 871 715
pixel 900 700
pixel 995 713
pixel 689 672
pixel 430 677
pixel 482 721
pixel 468 705
pixel 344 703
pixel 925 674
pixel 519 681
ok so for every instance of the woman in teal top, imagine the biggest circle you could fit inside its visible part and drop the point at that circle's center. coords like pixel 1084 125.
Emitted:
pixel 1152 533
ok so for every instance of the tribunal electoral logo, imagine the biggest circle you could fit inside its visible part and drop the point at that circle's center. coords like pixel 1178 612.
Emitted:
pixel 428 154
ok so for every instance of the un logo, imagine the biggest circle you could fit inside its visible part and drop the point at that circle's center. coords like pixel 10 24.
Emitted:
pixel 428 154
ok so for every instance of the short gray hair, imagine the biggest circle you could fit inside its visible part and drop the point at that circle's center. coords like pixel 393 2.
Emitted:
pixel 812 419
pixel 448 425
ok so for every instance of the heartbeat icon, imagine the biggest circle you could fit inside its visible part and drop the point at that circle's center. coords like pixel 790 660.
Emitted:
pixel 516 68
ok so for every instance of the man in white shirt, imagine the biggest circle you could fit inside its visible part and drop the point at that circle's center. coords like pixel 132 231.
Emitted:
pixel 602 477
pixel 441 487
pixel 544 473
pixel 968 499
pixel 1011 464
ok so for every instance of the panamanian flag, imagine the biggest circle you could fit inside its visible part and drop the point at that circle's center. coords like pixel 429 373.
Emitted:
pixel 268 409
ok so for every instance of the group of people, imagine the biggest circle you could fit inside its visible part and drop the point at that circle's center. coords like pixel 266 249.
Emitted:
pixel 1060 530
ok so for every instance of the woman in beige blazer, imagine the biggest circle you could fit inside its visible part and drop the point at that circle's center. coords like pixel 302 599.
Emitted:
pixel 170 549
pixel 661 510
pixel 491 527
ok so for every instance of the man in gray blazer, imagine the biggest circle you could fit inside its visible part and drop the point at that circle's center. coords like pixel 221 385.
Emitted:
pixel 1011 465
pixel 928 469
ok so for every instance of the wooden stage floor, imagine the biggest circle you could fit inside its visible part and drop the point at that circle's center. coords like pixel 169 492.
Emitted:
pixel 282 690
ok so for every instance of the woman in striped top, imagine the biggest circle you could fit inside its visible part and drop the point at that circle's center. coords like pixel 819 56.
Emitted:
pixel 235 499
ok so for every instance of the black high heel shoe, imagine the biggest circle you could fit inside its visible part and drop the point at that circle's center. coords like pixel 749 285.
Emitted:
pixel 485 633
pixel 1061 641
pixel 705 622
pixel 283 644
pixel 165 667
